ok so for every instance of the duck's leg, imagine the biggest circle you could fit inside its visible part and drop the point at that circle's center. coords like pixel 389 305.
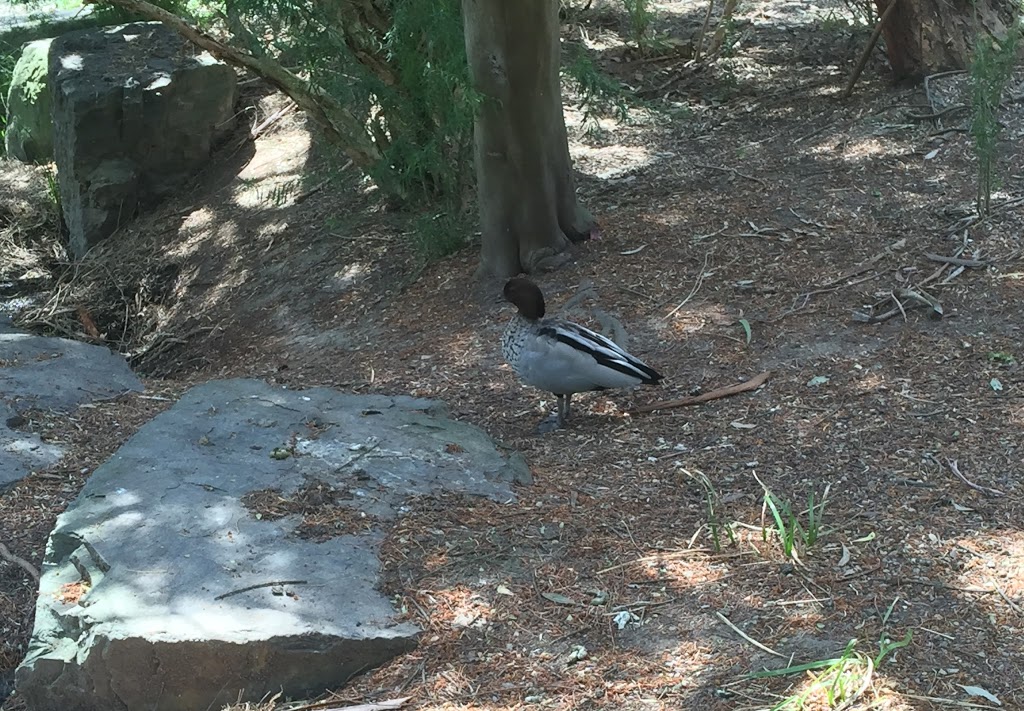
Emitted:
pixel 564 407
pixel 555 420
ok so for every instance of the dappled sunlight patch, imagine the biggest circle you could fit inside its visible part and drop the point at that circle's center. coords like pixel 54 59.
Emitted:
pixel 995 564
pixel 348 276
pixel 458 607
pixel 230 280
pixel 801 619
pixel 1017 415
pixel 673 571
pixel 689 318
pixel 268 192
pixel 197 220
pixel 869 381
pixel 192 242
pixel 612 161
pixel 277 159
pixel 865 148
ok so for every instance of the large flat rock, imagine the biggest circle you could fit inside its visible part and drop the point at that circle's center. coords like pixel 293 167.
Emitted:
pixel 168 586
pixel 56 374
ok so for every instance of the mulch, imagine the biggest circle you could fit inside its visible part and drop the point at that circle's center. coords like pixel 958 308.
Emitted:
pixel 767 228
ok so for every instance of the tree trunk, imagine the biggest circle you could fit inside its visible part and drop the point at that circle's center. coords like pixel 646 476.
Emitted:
pixel 526 192
pixel 927 36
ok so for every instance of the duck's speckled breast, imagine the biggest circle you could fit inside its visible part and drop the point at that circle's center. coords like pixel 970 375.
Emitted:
pixel 513 341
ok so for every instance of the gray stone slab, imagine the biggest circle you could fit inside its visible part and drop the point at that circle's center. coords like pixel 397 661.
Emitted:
pixel 179 613
pixel 50 374
pixel 37 372
pixel 21 452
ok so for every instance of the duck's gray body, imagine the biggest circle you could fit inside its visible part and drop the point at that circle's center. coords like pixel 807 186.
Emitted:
pixel 562 357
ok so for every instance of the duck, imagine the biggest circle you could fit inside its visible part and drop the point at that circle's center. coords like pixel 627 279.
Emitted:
pixel 562 357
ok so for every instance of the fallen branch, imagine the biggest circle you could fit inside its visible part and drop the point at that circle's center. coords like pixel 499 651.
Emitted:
pixel 302 197
pixel 872 41
pixel 6 554
pixel 957 261
pixel 271 120
pixel 865 265
pixel 936 115
pixel 955 468
pixel 330 706
pixel 752 384
pixel 919 298
pixel 928 81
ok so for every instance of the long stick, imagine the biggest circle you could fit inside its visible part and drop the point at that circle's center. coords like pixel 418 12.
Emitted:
pixel 867 50
pixel 752 384
pixel 6 554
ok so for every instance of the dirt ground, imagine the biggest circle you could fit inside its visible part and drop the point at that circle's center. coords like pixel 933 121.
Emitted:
pixel 751 222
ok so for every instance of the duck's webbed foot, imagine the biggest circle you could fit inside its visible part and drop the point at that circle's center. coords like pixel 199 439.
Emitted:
pixel 549 424
pixel 556 420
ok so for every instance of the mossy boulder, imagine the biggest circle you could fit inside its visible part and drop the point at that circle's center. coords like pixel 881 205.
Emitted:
pixel 29 122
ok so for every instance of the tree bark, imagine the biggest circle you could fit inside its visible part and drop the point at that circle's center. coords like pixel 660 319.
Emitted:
pixel 529 213
pixel 927 36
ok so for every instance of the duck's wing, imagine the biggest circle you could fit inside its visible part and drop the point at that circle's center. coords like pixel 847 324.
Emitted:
pixel 604 351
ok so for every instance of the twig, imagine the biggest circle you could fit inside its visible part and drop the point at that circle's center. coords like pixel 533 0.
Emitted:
pixel 638 605
pixel 748 638
pixel 865 265
pixel 261 585
pixel 948 702
pixel 936 115
pixel 359 238
pixel 859 574
pixel 723 25
pixel 701 238
pixel 726 169
pixel 899 305
pixel 936 274
pixel 656 558
pixel 330 705
pixel 303 196
pixel 955 468
pixel 729 390
pixel 928 80
pixel 271 120
pixel 1013 606
pixel 699 43
pixel 694 290
pixel 872 41
pixel 958 261
pixel 6 554
pixel 919 297
pixel 837 287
